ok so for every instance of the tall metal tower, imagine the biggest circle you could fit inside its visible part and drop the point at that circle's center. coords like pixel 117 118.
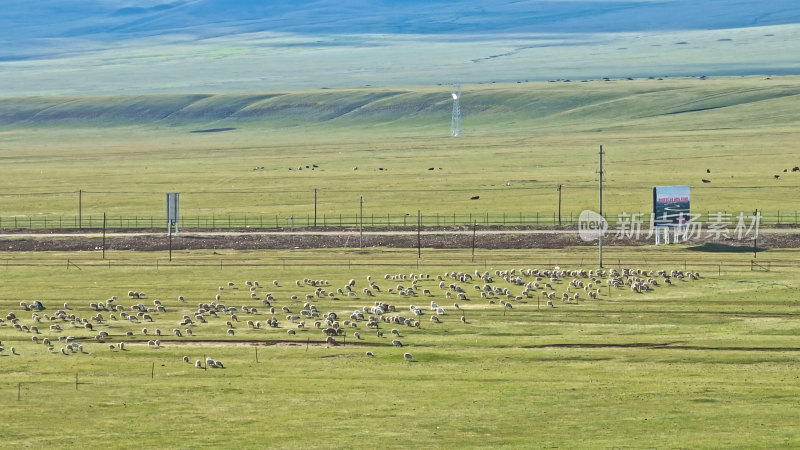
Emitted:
pixel 455 122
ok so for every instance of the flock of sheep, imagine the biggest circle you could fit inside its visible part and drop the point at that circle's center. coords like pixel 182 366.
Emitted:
pixel 390 307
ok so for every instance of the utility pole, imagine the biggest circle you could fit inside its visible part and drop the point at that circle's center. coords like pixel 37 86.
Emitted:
pixel 315 207
pixel 361 223
pixel 474 231
pixel 419 233
pixel 104 235
pixel 600 242
pixel 755 237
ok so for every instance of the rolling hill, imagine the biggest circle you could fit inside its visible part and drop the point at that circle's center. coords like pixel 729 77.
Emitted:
pixel 105 46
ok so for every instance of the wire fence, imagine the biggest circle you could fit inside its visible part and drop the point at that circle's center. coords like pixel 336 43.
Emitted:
pixel 424 219
pixel 708 266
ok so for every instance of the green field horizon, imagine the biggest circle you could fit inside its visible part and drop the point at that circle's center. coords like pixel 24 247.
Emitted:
pixel 242 153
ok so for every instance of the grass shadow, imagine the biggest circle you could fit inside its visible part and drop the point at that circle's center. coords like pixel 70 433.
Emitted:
pixel 716 247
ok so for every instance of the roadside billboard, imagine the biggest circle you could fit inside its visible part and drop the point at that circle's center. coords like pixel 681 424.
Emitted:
pixel 671 205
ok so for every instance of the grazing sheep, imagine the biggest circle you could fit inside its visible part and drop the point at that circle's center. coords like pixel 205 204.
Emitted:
pixel 186 359
pixel 290 332
pixel 198 363
pixel 231 332
pixel 408 356
pixel 397 343
pixel 370 354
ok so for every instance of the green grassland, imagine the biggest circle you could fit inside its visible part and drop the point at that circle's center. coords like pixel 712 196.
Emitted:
pixel 703 363
pixel 707 363
pixel 519 142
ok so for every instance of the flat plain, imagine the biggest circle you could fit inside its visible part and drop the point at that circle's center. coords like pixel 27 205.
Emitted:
pixel 270 151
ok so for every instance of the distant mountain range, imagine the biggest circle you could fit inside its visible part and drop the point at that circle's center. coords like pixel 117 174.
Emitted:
pixel 51 46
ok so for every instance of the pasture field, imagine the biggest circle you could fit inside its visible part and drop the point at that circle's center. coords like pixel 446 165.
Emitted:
pixel 519 142
pixel 701 363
